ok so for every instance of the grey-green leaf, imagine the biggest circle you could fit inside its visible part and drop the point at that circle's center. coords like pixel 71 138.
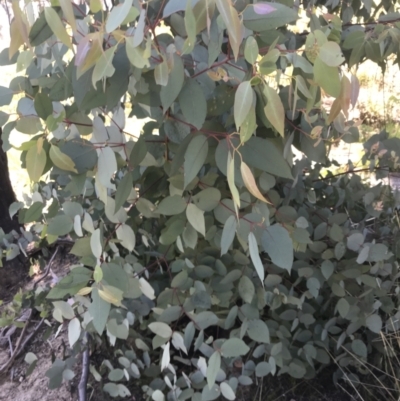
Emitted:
pixel 279 246
pixel 195 157
pixel 60 225
pixel 214 365
pixel 170 92
pixel 99 310
pixel 258 331
pixel 171 205
pixel 266 155
pixel 228 234
pixel 234 347
pixel 243 102
pixel 193 103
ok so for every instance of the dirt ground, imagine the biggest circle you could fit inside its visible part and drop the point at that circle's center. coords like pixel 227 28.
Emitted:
pixel 15 385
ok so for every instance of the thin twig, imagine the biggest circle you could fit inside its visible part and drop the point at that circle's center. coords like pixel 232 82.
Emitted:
pixel 8 364
pixel 21 345
pixel 85 371
pixel 47 271
pixel 29 338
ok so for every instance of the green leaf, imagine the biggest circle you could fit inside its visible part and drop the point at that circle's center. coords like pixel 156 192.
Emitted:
pixel 146 288
pixel 30 357
pixel 118 15
pixel 248 126
pixel 359 348
pixel 60 225
pixel 95 243
pixel 234 347
pixel 214 364
pixel 327 77
pixel 205 319
pixel 127 237
pixel 82 153
pixel 302 86
pixel 232 23
pixel 138 152
pixel 244 97
pixel 190 26
pixel 65 309
pixel 138 55
pixel 274 110
pixel 278 244
pixel 104 67
pixel 343 307
pixel 228 234
pixel 251 50
pixel 210 394
pixel 99 310
pixel 98 274
pixel 34 212
pixel 15 206
pixel 196 218
pixel 111 389
pixel 231 181
pixel 171 205
pixel 106 167
pixel 265 155
pixel 255 257
pixel 374 323
pixel 56 25
pixel 327 269
pixel 170 92
pixel 331 54
pixel 161 329
pixel 35 162
pixel 82 247
pixel 161 73
pixel 267 64
pixel 193 103
pixel 6 96
pixel 66 6
pixel 297 369
pixel 258 331
pixel 74 331
pixel 208 199
pixel 246 289
pixel 61 160
pixel 43 105
pixel 116 375
pixel 123 190
pixel 29 125
pixel 3 118
pixel 40 31
pixel 195 156
pixel 279 16
pixel 227 391
pixel 354 39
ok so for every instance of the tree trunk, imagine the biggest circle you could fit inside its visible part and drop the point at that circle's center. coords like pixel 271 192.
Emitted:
pixel 7 196
pixel 13 271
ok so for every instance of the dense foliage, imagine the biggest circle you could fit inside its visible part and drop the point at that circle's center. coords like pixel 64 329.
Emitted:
pixel 209 255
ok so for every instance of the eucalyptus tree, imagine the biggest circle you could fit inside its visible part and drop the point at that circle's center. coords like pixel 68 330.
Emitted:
pixel 205 246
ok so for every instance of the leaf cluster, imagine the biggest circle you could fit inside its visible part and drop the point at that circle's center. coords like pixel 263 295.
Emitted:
pixel 209 255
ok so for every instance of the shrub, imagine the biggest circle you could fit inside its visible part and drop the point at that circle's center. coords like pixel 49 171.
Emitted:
pixel 208 254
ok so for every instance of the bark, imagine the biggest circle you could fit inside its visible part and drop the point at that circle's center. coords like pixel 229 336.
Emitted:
pixel 7 196
pixel 14 271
